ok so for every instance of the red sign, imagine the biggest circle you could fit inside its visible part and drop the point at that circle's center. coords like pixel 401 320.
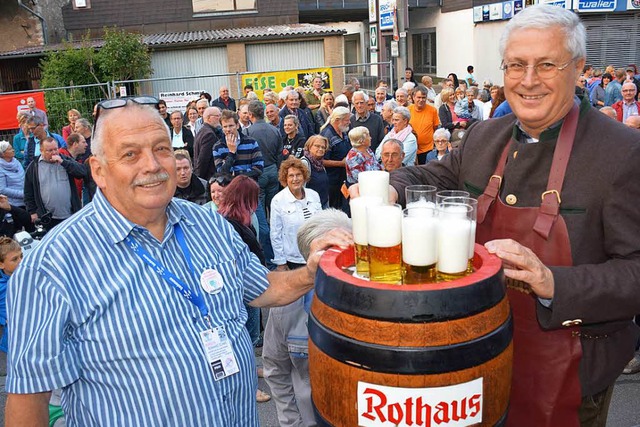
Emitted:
pixel 10 105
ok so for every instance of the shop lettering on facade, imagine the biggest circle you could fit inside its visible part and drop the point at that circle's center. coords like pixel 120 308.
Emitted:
pixel 457 405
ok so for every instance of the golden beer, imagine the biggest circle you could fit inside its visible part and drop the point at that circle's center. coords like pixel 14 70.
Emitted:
pixel 385 264
pixel 359 223
pixel 362 260
pixel 384 230
pixel 415 275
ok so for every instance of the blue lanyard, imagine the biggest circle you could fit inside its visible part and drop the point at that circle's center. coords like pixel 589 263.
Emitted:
pixel 194 296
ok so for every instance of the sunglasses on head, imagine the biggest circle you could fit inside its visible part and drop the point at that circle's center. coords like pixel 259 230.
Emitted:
pixel 111 104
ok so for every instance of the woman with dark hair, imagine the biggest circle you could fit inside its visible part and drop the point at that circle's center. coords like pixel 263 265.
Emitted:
pixel 408 76
pixel 497 100
pixel 455 80
pixel 207 96
pixel 597 96
pixel 237 206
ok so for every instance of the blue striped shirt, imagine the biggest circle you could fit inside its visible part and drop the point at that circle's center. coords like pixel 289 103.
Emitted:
pixel 121 342
pixel 247 160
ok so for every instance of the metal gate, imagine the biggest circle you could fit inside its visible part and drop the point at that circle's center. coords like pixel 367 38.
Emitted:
pixel 59 100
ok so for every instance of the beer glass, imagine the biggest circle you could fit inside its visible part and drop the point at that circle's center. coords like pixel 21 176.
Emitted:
pixel 419 244
pixel 443 194
pixel 359 225
pixel 420 195
pixel 454 230
pixel 375 184
pixel 474 216
pixel 384 231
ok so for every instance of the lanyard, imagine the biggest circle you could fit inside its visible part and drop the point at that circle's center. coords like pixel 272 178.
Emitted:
pixel 194 296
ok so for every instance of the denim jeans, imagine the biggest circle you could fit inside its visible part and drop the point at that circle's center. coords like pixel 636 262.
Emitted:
pixel 269 186
pixel 253 324
pixel 264 237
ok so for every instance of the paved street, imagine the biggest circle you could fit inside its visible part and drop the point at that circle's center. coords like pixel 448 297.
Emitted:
pixel 625 407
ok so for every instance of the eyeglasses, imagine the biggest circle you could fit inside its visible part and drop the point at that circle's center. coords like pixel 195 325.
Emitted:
pixel 222 180
pixel 110 104
pixel 544 70
pixel 441 141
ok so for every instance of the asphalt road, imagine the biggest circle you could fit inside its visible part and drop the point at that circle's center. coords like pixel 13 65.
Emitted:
pixel 624 411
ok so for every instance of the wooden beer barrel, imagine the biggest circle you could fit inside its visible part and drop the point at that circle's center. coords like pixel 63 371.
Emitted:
pixel 420 355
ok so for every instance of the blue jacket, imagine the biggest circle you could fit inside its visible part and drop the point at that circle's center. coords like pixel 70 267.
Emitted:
pixel 20 145
pixel 12 181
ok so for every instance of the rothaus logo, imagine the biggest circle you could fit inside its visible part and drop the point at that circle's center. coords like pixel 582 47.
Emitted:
pixel 457 405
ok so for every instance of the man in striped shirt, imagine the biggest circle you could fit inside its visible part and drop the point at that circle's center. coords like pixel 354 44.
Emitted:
pixel 151 331
pixel 236 153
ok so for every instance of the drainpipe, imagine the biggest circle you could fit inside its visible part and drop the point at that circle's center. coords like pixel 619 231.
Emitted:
pixel 45 36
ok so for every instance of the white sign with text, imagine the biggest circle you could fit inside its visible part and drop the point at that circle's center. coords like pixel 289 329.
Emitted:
pixel 451 406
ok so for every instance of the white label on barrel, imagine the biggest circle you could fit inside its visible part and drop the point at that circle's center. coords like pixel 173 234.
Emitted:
pixel 456 405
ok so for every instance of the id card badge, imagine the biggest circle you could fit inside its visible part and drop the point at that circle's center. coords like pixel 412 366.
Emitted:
pixel 217 348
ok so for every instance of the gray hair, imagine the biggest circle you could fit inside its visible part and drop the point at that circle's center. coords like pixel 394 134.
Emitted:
pixel 392 141
pixel 392 104
pixel 202 102
pixel 293 92
pixel 358 136
pixel 404 111
pixel 318 225
pixel 609 112
pixel 4 146
pixel 97 142
pixel 542 17
pixel 252 96
pixel 339 113
pixel 442 132
pixel 408 86
pixel 402 90
pixel 283 95
pixel 84 123
pixel 423 90
pixel 360 93
pixel 256 108
pixel 336 114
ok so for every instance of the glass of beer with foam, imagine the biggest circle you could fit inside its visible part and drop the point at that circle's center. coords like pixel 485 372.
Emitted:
pixel 474 216
pixel 454 231
pixel 420 195
pixel 359 225
pixel 419 244
pixel 384 231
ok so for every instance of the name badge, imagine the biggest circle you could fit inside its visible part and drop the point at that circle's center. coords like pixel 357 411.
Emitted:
pixel 219 352
pixel 211 281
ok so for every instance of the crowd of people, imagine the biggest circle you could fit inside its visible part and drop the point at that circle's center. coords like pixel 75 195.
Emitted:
pixel 279 172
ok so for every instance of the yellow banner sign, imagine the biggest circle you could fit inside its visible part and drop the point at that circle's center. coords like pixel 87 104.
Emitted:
pixel 278 80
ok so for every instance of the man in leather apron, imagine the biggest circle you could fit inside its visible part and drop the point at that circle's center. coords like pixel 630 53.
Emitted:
pixel 558 198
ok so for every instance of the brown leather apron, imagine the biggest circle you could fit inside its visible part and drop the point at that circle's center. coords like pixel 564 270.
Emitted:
pixel 545 387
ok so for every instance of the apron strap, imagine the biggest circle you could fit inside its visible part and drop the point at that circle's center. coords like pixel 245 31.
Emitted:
pixel 492 190
pixel 550 206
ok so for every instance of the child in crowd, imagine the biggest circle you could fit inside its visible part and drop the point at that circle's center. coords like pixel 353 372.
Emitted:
pixel 462 107
pixel 10 257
